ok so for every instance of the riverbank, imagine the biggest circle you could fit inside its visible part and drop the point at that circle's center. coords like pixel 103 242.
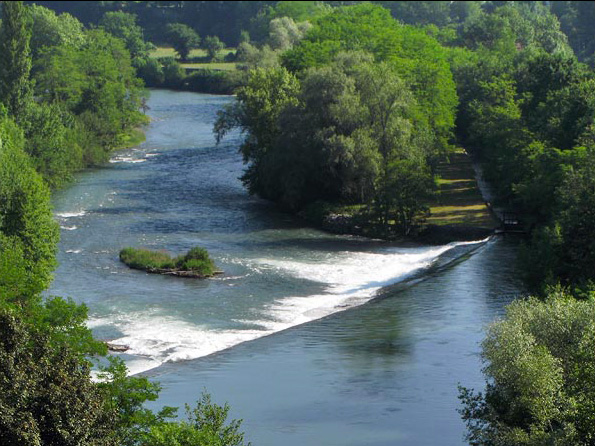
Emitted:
pixel 197 74
pixel 457 213
pixel 374 360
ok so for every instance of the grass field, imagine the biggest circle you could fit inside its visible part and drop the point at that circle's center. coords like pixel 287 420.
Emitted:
pixel 459 201
pixel 197 58
pixel 222 66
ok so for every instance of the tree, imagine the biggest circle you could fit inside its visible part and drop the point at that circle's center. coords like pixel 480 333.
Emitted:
pixel 46 395
pixel 25 210
pixel 125 396
pixel 213 45
pixel 256 112
pixel 15 59
pixel 206 425
pixel 284 33
pixel 182 38
pixel 123 25
pixel 50 29
pixel 539 363
pixel 575 216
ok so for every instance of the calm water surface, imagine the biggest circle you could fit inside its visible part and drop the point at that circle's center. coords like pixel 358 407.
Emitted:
pixel 352 341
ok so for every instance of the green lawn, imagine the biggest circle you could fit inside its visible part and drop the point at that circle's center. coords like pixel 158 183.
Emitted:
pixel 197 59
pixel 459 201
pixel 222 66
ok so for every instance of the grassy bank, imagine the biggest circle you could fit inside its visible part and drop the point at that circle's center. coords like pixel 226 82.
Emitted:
pixel 197 74
pixel 198 58
pixel 458 212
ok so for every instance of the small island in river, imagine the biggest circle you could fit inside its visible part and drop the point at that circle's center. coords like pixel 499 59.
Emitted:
pixel 196 263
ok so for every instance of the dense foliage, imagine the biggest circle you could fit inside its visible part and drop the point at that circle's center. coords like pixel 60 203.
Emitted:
pixel 46 395
pixel 539 370
pixel 528 113
pixel 86 92
pixel 334 125
pixel 67 97
pixel 342 107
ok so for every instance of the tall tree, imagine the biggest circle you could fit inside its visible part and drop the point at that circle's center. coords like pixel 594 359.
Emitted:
pixel 182 38
pixel 15 59
pixel 25 212
pixel 46 394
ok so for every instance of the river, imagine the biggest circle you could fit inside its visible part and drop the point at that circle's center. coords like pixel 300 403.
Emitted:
pixel 313 339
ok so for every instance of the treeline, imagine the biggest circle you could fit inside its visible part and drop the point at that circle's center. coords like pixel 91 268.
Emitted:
pixel 223 19
pixel 352 115
pixel 73 92
pixel 227 20
pixel 67 96
pixel 527 112
pixel 356 113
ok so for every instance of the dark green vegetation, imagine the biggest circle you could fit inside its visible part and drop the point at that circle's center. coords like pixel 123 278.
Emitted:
pixel 68 96
pixel 349 119
pixel 195 263
pixel 351 110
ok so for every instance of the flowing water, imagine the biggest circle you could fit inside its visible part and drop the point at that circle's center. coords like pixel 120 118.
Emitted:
pixel 355 341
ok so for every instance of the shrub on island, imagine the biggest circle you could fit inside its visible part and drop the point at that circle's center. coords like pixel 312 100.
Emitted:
pixel 195 263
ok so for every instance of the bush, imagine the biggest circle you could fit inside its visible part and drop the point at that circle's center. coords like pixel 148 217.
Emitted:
pixel 539 368
pixel 211 81
pixel 144 259
pixel 196 260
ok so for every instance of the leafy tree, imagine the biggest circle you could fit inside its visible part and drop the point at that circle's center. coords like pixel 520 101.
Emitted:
pixel 16 287
pixel 46 395
pixel 538 361
pixel 251 57
pixel 284 33
pixel 575 217
pixel 15 59
pixel 418 59
pixel 173 73
pixel 54 155
pixel 206 425
pixel 97 84
pixel 421 12
pixel 123 25
pixel 213 45
pixel 50 29
pixel 256 112
pixel 182 38
pixel 25 212
pixel 351 133
pixel 125 395
pixel 151 71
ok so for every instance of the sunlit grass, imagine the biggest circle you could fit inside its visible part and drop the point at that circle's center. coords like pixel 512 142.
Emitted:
pixel 195 53
pixel 223 66
pixel 196 260
pixel 459 201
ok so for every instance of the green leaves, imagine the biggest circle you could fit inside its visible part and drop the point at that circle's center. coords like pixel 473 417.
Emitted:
pixel 206 425
pixel 538 373
pixel 25 212
pixel 46 395
pixel 15 59
pixel 182 38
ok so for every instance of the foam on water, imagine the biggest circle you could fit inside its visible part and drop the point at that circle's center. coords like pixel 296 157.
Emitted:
pixel 126 159
pixel 351 279
pixel 71 214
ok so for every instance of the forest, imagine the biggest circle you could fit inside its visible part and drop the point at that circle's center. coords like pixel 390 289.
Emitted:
pixel 345 108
